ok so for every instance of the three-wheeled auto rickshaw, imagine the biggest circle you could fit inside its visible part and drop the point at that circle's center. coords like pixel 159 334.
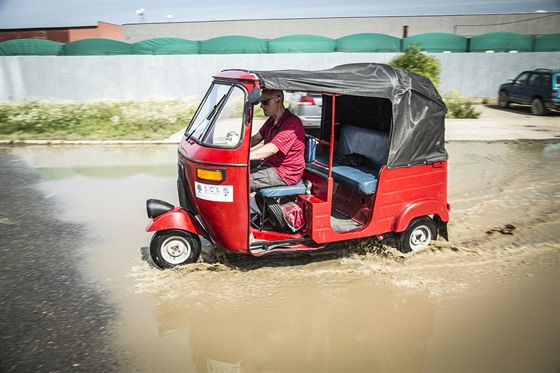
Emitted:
pixel 377 168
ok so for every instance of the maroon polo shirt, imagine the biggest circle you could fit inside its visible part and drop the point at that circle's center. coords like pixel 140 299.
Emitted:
pixel 289 137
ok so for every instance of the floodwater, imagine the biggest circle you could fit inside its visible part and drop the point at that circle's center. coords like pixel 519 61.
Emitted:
pixel 487 300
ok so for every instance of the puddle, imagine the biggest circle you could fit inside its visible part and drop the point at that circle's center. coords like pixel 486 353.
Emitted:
pixel 488 300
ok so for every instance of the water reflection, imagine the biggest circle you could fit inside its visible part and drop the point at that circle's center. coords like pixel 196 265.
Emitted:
pixel 377 332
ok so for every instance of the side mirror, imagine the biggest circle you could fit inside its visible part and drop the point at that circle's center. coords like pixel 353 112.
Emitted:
pixel 255 96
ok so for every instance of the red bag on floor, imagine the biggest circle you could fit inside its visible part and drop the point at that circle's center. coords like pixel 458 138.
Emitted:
pixel 293 216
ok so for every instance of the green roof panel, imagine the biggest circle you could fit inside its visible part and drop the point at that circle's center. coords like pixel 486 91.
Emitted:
pixel 233 45
pixel 368 42
pixel 501 42
pixel 96 47
pixel 547 43
pixel 166 46
pixel 301 44
pixel 437 42
pixel 29 47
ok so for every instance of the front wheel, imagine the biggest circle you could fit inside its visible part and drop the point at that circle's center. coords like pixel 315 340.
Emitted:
pixel 173 248
pixel 503 99
pixel 420 232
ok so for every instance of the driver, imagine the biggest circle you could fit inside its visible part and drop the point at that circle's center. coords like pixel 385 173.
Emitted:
pixel 280 161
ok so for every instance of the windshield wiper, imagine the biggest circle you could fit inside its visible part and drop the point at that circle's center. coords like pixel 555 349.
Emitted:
pixel 210 116
pixel 215 108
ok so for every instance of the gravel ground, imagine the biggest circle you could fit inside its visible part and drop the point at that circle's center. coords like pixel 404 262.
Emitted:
pixel 52 319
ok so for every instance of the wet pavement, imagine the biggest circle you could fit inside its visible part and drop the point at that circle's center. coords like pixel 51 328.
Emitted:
pixel 53 318
pixel 80 294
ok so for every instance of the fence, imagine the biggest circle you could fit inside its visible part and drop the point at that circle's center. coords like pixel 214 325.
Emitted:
pixel 137 77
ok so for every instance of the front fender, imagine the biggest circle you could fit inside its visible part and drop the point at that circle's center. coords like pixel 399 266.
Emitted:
pixel 419 208
pixel 176 219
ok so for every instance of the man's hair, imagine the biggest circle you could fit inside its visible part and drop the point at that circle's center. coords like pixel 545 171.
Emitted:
pixel 273 93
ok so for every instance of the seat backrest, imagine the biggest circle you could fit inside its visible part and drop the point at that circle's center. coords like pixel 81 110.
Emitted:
pixel 373 145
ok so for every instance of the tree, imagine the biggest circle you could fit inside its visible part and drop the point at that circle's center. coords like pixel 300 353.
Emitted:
pixel 420 63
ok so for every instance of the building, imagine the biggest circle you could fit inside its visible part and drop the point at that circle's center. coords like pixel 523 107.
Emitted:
pixel 532 24
pixel 65 34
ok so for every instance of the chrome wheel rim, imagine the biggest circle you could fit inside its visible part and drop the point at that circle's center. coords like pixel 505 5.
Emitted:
pixel 175 250
pixel 420 238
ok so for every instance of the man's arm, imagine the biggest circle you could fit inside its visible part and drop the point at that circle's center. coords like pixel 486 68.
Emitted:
pixel 263 152
pixel 256 139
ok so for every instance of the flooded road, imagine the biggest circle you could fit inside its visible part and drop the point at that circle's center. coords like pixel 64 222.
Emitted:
pixel 487 300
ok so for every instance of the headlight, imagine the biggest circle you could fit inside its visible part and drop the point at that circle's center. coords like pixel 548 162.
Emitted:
pixel 155 208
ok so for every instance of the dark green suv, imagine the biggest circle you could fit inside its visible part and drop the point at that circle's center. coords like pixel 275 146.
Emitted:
pixel 538 88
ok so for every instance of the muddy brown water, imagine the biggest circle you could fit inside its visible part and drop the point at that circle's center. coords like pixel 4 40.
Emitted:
pixel 487 300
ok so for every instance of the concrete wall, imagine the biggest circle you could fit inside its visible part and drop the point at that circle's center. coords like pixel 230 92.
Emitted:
pixel 80 78
pixel 466 25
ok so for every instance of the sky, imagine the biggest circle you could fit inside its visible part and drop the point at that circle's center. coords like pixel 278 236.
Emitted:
pixel 66 13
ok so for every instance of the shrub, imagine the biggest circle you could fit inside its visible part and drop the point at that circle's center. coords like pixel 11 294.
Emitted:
pixel 420 63
pixel 460 108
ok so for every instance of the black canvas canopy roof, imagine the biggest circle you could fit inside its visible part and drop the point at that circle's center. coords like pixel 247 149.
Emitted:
pixel 418 111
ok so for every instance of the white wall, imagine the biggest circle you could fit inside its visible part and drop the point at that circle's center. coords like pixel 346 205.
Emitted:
pixel 82 78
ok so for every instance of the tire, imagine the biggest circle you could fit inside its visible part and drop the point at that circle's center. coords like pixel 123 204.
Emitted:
pixel 173 248
pixel 503 99
pixel 537 107
pixel 419 234
pixel 274 210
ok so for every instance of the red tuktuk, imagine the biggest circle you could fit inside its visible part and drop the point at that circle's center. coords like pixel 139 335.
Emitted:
pixel 378 167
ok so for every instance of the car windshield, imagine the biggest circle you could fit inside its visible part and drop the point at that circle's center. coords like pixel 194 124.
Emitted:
pixel 219 119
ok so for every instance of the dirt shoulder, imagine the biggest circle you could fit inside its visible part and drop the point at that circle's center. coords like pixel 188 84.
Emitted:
pixel 495 124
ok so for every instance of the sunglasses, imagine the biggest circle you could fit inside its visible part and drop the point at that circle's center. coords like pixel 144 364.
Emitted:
pixel 265 102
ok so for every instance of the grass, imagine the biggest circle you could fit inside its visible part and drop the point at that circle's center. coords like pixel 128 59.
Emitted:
pixel 101 120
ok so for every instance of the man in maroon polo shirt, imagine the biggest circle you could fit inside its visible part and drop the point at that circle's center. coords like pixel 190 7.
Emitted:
pixel 280 160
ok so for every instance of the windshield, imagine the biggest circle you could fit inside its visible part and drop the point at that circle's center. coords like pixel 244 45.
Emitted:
pixel 219 119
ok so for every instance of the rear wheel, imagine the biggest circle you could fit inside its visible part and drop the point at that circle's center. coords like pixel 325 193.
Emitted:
pixel 419 234
pixel 503 99
pixel 537 107
pixel 173 248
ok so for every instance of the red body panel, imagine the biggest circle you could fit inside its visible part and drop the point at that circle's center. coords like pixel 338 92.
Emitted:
pixel 409 192
pixel 236 75
pixel 402 195
pixel 175 219
pixel 226 222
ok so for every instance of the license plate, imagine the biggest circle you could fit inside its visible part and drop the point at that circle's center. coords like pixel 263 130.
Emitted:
pixel 217 193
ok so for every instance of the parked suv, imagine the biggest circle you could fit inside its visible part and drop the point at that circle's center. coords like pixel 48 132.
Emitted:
pixel 538 88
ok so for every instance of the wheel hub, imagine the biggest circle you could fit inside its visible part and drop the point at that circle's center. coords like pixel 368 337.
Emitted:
pixel 175 250
pixel 420 238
